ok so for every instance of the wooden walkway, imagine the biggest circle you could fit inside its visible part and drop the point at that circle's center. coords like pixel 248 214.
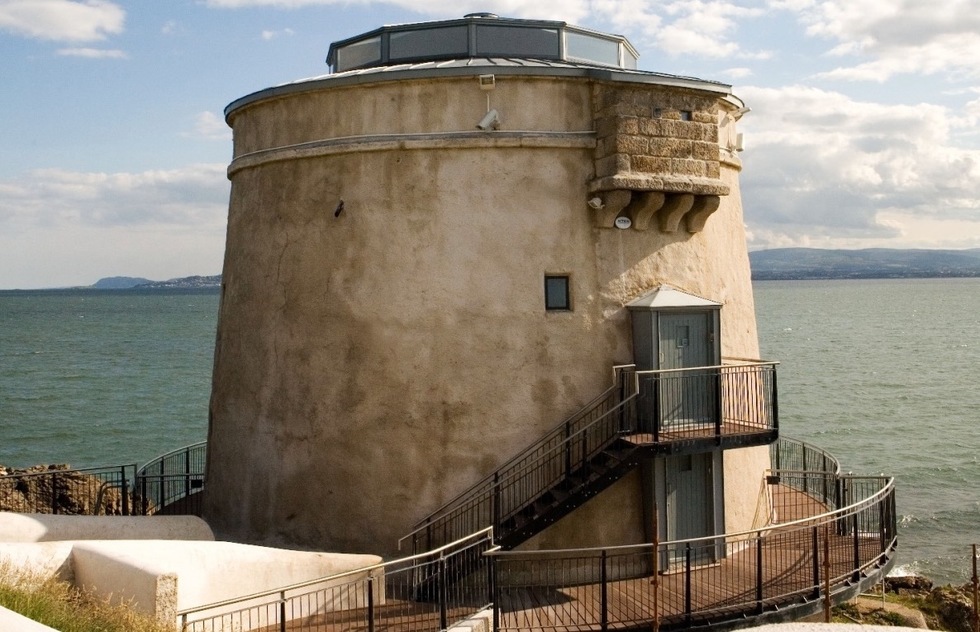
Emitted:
pixel 720 590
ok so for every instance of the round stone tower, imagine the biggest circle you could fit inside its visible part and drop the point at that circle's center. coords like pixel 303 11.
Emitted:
pixel 429 259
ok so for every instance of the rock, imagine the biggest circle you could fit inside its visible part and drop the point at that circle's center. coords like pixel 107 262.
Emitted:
pixel 905 584
pixel 57 489
pixel 954 607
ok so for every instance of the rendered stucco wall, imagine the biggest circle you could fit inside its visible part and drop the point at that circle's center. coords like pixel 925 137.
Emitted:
pixel 371 365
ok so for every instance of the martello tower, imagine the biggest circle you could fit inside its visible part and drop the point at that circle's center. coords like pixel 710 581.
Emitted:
pixel 439 251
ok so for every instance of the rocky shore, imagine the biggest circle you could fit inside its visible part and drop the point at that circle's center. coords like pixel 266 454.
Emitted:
pixel 58 489
pixel 913 601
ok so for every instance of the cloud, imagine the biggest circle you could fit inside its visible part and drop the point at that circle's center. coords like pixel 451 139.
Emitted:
pixel 193 196
pixel 60 228
pixel 941 37
pixel 62 20
pixel 269 35
pixel 210 126
pixel 571 10
pixel 821 165
pixel 93 53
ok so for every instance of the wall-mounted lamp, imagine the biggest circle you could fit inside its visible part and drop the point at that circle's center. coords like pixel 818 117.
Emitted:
pixel 490 120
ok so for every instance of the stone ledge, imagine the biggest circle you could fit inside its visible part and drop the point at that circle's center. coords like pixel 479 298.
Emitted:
pixel 663 183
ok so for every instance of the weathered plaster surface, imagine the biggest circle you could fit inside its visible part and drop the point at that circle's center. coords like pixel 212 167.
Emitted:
pixel 371 365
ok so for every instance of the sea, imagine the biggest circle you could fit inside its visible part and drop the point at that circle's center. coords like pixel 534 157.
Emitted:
pixel 884 374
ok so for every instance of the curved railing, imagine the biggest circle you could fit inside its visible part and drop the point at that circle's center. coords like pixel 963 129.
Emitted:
pixel 818 547
pixel 171 483
pixel 762 573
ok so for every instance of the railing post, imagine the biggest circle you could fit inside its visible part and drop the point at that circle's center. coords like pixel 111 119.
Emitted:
pixel 568 449
pixel 718 383
pixel 758 574
pixel 655 388
pixel 125 490
pixel 857 550
pixel 603 593
pixel 282 611
pixel 144 503
pixel 370 603
pixel 443 589
pixel 187 473
pixel 496 503
pixel 54 493
pixel 826 574
pixel 976 593
pixel 687 583
pixel 775 402
pixel 816 563
pixel 495 601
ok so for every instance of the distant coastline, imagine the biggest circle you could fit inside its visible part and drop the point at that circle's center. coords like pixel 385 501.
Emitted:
pixel 777 264
pixel 797 264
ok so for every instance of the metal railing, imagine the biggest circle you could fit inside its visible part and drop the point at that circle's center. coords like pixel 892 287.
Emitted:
pixel 172 483
pixel 81 491
pixel 532 471
pixel 422 593
pixel 654 406
pixel 728 399
pixel 702 581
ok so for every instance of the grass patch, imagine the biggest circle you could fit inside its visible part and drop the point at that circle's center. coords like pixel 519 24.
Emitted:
pixel 61 606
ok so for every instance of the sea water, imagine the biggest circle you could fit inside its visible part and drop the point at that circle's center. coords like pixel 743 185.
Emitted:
pixel 100 377
pixel 883 374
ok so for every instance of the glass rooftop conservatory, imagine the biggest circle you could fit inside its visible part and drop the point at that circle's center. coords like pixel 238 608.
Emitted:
pixel 481 35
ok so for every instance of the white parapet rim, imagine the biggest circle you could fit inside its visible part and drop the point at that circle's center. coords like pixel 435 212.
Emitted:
pixel 18 527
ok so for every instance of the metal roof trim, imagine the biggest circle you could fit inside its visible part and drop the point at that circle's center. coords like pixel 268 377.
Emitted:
pixel 474 67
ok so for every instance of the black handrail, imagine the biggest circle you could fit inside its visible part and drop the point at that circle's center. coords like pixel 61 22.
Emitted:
pixel 63 490
pixel 426 592
pixel 706 403
pixel 531 472
pixel 751 574
pixel 172 478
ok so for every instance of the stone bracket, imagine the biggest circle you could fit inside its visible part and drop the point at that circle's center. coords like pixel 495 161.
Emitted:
pixel 612 204
pixel 670 209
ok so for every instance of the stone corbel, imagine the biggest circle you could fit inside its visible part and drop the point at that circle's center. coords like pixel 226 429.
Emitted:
pixel 611 205
pixel 645 204
pixel 673 210
pixel 704 206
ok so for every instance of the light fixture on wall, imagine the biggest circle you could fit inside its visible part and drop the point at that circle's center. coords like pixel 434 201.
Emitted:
pixel 490 120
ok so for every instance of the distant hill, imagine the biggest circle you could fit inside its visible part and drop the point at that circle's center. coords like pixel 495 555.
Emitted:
pixel 131 283
pixel 184 282
pixel 870 263
pixel 119 283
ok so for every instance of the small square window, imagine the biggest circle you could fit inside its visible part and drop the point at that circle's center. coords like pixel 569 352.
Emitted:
pixel 557 296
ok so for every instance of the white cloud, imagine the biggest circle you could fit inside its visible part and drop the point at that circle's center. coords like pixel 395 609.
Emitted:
pixel 193 196
pixel 824 166
pixel 93 53
pixel 570 10
pixel 210 126
pixel 156 224
pixel 62 20
pixel 269 35
pixel 899 37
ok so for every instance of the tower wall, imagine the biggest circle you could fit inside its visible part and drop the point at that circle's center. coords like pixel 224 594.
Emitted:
pixel 383 341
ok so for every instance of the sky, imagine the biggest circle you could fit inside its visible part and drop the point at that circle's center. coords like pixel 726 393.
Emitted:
pixel 113 146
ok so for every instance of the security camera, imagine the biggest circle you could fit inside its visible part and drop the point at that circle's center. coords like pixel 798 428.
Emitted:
pixel 490 121
pixel 596 203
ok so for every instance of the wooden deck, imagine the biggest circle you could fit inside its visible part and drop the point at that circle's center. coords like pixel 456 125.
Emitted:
pixel 725 588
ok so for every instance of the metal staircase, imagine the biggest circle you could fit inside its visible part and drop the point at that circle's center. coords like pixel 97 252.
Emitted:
pixel 630 422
